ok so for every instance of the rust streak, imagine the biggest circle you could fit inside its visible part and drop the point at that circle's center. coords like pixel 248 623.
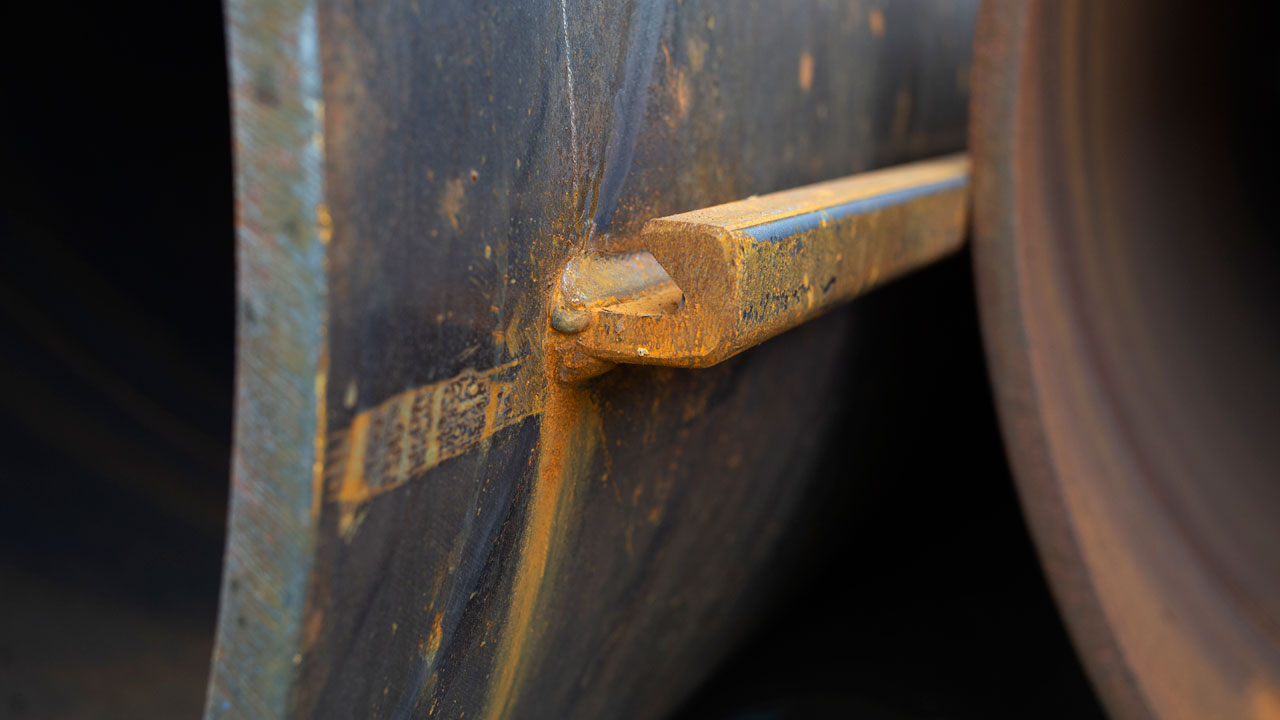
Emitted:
pixel 567 446
pixel 806 71
pixel 567 442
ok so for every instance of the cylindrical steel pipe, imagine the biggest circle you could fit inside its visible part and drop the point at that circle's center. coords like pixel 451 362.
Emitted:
pixel 1128 298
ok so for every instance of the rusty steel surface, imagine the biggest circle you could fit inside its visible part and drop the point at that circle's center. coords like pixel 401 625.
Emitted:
pixel 425 521
pixel 740 273
pixel 1124 315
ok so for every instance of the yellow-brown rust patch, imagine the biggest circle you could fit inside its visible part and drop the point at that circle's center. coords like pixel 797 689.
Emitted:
pixel 386 446
pixel 806 70
pixel 876 20
pixel 433 640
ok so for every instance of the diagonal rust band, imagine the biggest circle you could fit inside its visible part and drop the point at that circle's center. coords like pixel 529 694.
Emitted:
pixel 388 445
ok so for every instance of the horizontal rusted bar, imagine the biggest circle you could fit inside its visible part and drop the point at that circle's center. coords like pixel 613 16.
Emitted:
pixel 707 284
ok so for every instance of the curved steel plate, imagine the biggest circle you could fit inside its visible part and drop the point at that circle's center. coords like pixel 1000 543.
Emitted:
pixel 423 522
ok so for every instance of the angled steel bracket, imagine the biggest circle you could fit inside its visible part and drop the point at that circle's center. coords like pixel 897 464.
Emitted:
pixel 705 285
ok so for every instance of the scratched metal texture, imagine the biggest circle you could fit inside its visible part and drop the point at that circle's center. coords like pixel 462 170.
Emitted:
pixel 281 286
pixel 473 538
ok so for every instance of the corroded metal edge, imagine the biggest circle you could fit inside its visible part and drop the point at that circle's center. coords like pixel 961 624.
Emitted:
pixel 282 228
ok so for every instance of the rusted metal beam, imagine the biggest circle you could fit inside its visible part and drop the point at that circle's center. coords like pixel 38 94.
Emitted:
pixel 705 285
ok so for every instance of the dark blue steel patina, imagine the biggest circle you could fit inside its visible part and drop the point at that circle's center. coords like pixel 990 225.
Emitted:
pixel 422 526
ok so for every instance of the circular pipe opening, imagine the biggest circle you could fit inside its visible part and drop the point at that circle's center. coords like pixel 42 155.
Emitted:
pixel 1130 299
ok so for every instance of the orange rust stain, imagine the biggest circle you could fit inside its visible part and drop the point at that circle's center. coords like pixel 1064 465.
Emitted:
pixel 680 87
pixel 876 20
pixel 684 94
pixel 311 632
pixel 806 70
pixel 324 223
pixel 318 440
pixel 433 640
pixel 386 446
pixel 1265 700
pixel 566 449
pixel 512 335
pixel 696 49
pixel 451 202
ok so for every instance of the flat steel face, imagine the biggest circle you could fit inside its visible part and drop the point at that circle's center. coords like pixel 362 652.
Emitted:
pixel 425 521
